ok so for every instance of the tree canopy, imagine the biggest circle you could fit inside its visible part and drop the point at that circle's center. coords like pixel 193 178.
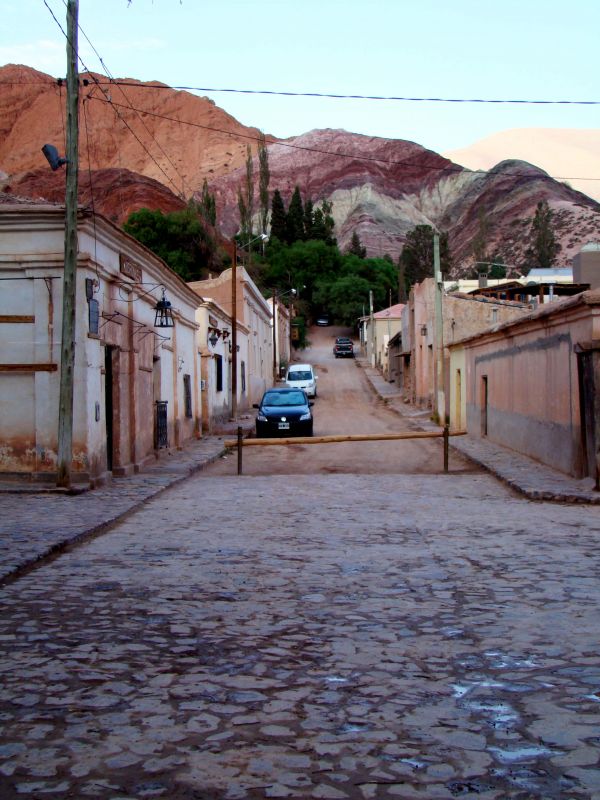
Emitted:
pixel 417 254
pixel 180 238
pixel 544 247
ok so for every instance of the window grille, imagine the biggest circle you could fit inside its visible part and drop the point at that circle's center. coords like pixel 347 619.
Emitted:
pixel 187 394
pixel 219 373
pixel 94 316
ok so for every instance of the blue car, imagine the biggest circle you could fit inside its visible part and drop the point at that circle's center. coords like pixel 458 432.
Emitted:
pixel 284 412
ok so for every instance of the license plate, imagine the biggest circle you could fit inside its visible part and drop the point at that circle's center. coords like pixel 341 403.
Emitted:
pixel 284 426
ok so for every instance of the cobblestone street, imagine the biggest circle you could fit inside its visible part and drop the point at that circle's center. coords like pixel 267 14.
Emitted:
pixel 330 636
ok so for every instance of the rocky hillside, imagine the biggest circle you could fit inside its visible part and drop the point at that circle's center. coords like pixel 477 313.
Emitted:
pixel 148 145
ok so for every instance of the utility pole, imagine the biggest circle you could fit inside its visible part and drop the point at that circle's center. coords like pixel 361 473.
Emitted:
pixel 234 358
pixel 275 370
pixel 67 355
pixel 439 332
pixel 371 330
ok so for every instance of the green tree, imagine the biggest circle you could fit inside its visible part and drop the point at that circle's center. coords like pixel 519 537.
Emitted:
pixel 309 219
pixel 264 177
pixel 207 206
pixel 180 238
pixel 295 219
pixel 323 223
pixel 355 248
pixel 278 217
pixel 417 254
pixel 544 247
pixel 246 198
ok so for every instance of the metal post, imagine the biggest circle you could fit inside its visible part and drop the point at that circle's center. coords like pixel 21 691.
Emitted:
pixel 240 447
pixel 234 358
pixel 275 370
pixel 371 330
pixel 439 333
pixel 67 354
pixel 446 437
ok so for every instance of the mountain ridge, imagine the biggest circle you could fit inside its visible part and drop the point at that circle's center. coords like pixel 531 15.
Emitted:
pixel 174 140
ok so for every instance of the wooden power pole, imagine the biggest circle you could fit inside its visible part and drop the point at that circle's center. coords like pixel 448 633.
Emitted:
pixel 67 355
pixel 439 333
pixel 234 358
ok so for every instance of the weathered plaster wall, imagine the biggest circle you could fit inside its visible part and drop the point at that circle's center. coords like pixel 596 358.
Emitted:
pixel 532 385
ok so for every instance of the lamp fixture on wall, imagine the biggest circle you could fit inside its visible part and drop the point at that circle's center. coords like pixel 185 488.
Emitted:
pixel 423 330
pixel 164 313
pixel 213 336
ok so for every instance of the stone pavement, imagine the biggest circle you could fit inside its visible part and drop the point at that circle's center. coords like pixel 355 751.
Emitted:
pixel 37 521
pixel 373 637
pixel 533 480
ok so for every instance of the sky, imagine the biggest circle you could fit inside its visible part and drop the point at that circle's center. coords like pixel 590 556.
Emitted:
pixel 515 49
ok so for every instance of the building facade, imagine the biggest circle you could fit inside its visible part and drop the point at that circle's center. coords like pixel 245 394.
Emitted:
pixel 533 384
pixel 136 386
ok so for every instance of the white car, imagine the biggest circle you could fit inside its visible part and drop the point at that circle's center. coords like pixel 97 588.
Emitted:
pixel 302 376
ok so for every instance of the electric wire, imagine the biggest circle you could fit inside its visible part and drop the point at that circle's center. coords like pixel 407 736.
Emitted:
pixel 97 82
pixel 114 82
pixel 450 167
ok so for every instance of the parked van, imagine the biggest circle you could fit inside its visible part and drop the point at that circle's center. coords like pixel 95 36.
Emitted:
pixel 302 376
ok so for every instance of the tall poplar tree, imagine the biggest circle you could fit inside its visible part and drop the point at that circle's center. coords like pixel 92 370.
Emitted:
pixel 264 178
pixel 246 198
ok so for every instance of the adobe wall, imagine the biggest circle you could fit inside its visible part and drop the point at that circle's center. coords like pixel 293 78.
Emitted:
pixel 532 385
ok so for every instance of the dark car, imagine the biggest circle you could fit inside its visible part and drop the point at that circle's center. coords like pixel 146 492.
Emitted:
pixel 323 319
pixel 284 412
pixel 343 347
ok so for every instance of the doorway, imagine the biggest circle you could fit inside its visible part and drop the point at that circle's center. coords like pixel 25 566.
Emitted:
pixel 459 421
pixel 484 405
pixel 109 405
pixel 587 408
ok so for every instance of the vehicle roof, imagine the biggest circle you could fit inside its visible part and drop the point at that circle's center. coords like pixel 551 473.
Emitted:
pixel 299 366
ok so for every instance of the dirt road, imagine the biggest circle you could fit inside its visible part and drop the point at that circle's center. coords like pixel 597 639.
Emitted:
pixel 345 404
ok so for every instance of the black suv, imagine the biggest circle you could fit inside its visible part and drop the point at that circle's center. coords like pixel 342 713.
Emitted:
pixel 343 347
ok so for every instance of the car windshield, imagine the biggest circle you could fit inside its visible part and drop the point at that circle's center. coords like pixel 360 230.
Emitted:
pixel 284 399
pixel 299 375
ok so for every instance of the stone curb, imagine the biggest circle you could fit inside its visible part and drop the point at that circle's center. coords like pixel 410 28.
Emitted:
pixel 519 484
pixel 28 564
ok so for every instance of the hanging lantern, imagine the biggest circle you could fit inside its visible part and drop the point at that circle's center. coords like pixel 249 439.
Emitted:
pixel 164 313
pixel 213 336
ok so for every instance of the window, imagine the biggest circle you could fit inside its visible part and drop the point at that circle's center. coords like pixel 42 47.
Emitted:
pixel 219 373
pixel 187 395
pixel 94 316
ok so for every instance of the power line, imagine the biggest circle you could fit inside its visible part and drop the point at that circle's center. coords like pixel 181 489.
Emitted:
pixel 108 100
pixel 113 82
pixel 329 95
pixel 385 98
pixel 357 157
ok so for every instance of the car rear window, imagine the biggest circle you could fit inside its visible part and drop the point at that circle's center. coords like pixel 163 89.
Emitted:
pixel 300 375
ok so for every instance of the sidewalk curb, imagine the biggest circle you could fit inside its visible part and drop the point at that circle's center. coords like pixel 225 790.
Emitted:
pixel 56 549
pixel 576 496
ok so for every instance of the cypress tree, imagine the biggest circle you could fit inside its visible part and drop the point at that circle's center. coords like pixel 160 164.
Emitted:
pixel 278 217
pixel 295 218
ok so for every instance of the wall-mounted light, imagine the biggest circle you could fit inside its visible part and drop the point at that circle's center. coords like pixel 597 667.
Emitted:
pixel 423 330
pixel 180 363
pixel 164 313
pixel 213 336
pixel 52 157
